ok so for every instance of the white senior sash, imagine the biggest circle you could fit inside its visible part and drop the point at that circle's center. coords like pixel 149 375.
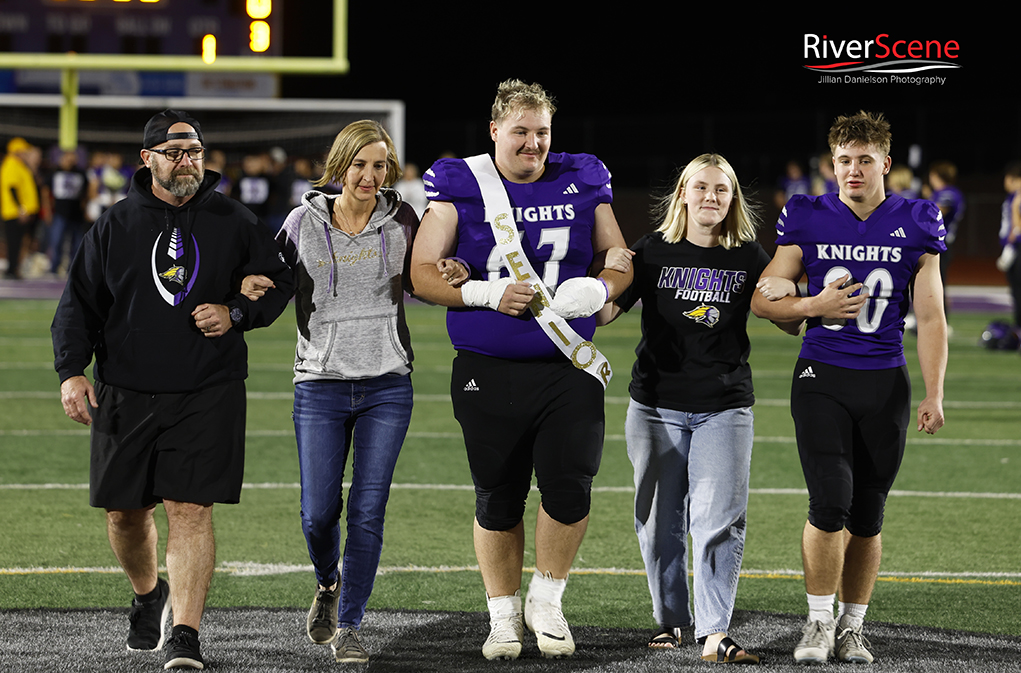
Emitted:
pixel 582 354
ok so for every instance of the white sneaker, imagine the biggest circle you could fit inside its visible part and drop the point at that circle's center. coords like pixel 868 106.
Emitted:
pixel 505 628
pixel 852 646
pixel 546 621
pixel 817 641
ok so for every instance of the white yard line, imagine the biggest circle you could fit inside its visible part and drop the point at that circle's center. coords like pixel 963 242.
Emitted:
pixel 251 569
pixel 595 489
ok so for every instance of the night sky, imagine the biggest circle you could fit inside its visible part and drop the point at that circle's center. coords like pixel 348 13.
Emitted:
pixel 646 91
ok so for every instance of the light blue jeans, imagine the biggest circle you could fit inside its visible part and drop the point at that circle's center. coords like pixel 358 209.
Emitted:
pixel 329 417
pixel 691 476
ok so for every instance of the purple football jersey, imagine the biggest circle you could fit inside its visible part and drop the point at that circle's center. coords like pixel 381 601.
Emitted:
pixel 882 252
pixel 555 217
pixel 951 200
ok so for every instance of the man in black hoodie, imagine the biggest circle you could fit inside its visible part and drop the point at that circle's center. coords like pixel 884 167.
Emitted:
pixel 153 296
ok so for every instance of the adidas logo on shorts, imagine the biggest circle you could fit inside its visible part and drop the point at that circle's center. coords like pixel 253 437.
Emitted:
pixel 807 374
pixel 471 387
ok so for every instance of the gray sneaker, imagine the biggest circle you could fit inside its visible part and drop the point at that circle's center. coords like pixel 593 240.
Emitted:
pixel 347 647
pixel 852 646
pixel 817 641
pixel 322 616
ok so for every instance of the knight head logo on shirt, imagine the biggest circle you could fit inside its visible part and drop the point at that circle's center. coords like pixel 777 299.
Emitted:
pixel 704 314
pixel 170 266
pixel 174 274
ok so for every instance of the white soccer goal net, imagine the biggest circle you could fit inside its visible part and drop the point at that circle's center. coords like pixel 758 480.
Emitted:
pixel 237 126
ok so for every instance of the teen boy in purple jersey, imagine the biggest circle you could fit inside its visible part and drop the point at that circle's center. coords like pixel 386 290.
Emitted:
pixel 521 403
pixel 851 395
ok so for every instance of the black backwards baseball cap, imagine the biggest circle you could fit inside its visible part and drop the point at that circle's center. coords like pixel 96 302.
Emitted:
pixel 157 129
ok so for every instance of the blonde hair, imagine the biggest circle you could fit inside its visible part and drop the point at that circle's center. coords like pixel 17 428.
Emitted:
pixel 899 178
pixel 513 95
pixel 349 142
pixel 738 227
pixel 864 128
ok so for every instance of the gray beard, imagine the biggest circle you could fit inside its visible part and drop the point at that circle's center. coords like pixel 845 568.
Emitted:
pixel 178 187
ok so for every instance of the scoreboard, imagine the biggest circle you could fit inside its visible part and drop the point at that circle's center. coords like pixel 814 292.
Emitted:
pixel 206 28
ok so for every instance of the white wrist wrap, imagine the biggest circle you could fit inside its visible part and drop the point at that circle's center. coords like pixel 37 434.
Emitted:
pixel 484 293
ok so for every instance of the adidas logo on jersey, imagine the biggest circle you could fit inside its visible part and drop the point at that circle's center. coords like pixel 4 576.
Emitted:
pixel 899 233
pixel 807 374
pixel 470 387
pixel 571 189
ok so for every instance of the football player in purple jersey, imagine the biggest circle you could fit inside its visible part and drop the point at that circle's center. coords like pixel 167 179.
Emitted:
pixel 950 201
pixel 851 396
pixel 521 403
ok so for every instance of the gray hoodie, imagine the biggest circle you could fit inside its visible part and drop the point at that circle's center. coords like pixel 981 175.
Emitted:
pixel 349 289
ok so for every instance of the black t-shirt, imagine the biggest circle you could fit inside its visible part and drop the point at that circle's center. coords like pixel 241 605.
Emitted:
pixel 69 191
pixel 693 355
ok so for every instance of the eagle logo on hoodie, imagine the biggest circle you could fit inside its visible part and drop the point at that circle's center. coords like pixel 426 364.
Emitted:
pixel 170 262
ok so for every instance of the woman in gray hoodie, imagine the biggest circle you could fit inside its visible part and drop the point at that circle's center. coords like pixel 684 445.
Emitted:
pixel 352 368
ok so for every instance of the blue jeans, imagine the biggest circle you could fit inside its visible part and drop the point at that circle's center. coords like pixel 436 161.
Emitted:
pixel 691 476
pixel 60 229
pixel 328 415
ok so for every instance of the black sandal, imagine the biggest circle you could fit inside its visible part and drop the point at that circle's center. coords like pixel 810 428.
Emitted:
pixel 727 653
pixel 666 638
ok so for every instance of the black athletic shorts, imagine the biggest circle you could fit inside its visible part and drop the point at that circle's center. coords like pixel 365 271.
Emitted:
pixel 851 426
pixel 516 415
pixel 188 447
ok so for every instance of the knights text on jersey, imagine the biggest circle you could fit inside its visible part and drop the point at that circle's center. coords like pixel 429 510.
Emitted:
pixel 882 252
pixel 555 216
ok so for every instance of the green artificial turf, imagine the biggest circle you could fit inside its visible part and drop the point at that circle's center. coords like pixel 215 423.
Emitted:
pixel 951 538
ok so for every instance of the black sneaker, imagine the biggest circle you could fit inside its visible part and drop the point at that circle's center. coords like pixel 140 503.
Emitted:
pixel 148 621
pixel 321 624
pixel 183 652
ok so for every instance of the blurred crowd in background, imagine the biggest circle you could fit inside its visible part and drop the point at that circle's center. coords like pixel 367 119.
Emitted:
pixel 50 198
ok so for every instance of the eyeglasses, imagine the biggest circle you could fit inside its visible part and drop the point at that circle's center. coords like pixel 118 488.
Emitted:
pixel 175 154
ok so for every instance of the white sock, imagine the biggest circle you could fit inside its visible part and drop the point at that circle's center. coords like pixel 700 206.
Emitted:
pixel 504 606
pixel 820 608
pixel 546 589
pixel 851 614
